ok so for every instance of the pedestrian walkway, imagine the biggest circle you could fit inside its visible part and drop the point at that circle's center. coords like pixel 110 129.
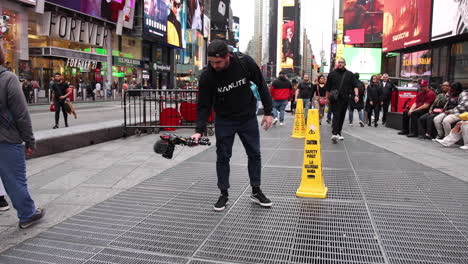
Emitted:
pixel 381 207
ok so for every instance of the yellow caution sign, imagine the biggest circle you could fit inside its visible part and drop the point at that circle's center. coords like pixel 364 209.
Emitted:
pixel 299 124
pixel 312 184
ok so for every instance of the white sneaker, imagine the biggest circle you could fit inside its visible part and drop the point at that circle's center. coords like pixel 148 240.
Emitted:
pixel 442 142
pixel 275 121
pixel 281 124
pixel 350 124
pixel 340 137
pixel 334 139
pixel 464 147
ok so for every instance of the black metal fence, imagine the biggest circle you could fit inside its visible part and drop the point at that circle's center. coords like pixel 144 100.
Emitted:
pixel 152 110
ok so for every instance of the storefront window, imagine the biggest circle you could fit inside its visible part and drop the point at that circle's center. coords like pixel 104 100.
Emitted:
pixel 11 41
pixel 459 62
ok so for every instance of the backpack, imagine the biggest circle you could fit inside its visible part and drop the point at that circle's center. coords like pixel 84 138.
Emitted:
pixel 6 120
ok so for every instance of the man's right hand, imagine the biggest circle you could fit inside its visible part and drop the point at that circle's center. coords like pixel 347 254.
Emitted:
pixel 196 136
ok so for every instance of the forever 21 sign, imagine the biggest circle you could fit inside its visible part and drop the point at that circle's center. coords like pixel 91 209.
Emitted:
pixel 69 28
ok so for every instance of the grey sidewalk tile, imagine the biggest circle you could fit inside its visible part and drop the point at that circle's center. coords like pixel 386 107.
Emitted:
pixel 87 196
pixel 110 176
pixel 70 180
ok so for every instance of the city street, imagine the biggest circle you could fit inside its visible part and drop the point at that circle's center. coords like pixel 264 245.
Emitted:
pixel 88 113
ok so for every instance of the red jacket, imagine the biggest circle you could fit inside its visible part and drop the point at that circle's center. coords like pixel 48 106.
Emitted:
pixel 281 89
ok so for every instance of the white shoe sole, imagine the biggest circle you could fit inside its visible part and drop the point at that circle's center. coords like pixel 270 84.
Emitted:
pixel 220 209
pixel 5 208
pixel 261 204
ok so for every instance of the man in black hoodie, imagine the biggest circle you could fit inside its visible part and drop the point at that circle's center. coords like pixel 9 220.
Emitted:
pixel 340 86
pixel 387 87
pixel 225 85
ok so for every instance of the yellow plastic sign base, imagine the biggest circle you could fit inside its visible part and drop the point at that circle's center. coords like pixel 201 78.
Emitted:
pixel 299 124
pixel 312 184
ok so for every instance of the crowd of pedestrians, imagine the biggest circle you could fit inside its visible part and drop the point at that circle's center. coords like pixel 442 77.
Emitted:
pixel 440 117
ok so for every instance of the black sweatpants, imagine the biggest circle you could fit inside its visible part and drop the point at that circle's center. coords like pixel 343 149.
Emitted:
pixel 412 120
pixel 60 105
pixel 385 106
pixel 339 114
pixel 426 125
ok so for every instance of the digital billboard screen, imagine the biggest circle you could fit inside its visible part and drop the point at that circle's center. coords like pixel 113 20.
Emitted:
pixel 289 44
pixel 406 23
pixel 416 64
pixel 365 61
pixel 163 21
pixel 220 14
pixel 363 17
pixel 449 18
pixel 195 14
pixel 103 9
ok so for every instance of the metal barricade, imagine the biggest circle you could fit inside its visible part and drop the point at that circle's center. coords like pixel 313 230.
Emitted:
pixel 151 110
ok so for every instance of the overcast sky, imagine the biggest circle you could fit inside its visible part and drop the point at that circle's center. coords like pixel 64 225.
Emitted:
pixel 316 18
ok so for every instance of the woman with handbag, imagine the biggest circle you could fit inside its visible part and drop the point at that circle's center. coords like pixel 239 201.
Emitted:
pixel 359 106
pixel 319 94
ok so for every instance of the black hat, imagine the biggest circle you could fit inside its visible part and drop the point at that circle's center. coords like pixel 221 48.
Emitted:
pixel 281 72
pixel 218 48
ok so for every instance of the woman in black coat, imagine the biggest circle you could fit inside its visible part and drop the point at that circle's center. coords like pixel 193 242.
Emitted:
pixel 374 99
pixel 359 106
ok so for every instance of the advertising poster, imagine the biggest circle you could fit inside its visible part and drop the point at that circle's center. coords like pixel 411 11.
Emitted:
pixel 163 21
pixel 406 23
pixel 103 9
pixel 449 18
pixel 363 19
pixel 416 64
pixel 220 14
pixel 235 30
pixel 206 27
pixel 288 46
pixel 195 14
pixel 365 61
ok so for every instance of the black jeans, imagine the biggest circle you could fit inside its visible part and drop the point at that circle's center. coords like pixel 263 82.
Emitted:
pixel 413 120
pixel 426 125
pixel 373 108
pixel 60 105
pixel 339 114
pixel 247 130
pixel 385 106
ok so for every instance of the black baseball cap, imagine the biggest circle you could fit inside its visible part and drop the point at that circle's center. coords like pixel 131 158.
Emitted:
pixel 282 72
pixel 218 48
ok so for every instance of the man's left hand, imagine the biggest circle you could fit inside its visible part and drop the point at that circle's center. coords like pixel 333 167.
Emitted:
pixel 266 122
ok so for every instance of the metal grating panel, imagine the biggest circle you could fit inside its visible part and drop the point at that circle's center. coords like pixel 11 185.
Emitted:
pixel 114 256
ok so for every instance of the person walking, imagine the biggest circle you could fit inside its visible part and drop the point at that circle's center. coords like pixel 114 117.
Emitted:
pixel 374 100
pixel 305 92
pixel 59 95
pixel 16 128
pixel 320 93
pixel 225 86
pixel 281 91
pixel 27 89
pixel 387 87
pixel 341 86
pixel 359 106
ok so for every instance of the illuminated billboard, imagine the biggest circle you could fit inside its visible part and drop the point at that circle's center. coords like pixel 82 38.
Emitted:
pixel 288 45
pixel 365 61
pixel 416 64
pixel 103 9
pixel 450 18
pixel 195 14
pixel 163 21
pixel 363 21
pixel 406 23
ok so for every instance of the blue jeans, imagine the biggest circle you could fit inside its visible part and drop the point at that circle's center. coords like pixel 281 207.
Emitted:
pixel 279 105
pixel 247 130
pixel 306 107
pixel 13 175
pixel 351 114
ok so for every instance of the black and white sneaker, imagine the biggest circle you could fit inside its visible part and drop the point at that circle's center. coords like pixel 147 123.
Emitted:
pixel 3 204
pixel 334 139
pixel 220 205
pixel 261 199
pixel 38 215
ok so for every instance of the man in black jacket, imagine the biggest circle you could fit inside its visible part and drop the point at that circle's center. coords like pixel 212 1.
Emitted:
pixel 341 86
pixel 386 88
pixel 225 85
pixel 305 92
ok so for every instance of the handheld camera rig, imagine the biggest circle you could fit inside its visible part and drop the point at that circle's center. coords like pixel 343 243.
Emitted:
pixel 166 145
